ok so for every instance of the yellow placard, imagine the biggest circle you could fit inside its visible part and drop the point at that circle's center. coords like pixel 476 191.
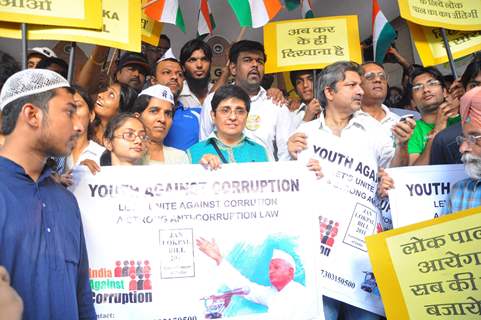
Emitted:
pixel 449 14
pixel 430 270
pixel 121 28
pixel 311 43
pixel 151 29
pixel 430 45
pixel 72 13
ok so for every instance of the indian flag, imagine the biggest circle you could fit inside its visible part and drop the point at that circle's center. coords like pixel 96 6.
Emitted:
pixel 167 11
pixel 292 4
pixel 383 33
pixel 206 20
pixel 255 13
pixel 307 9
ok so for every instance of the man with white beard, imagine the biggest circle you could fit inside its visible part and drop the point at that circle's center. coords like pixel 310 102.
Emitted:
pixel 466 193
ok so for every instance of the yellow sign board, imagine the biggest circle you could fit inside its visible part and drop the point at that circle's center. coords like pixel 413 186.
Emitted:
pixel 121 28
pixel 430 45
pixel 311 43
pixel 430 269
pixel 151 29
pixel 72 13
pixel 449 14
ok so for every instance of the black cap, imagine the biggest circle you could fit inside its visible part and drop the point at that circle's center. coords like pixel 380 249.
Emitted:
pixel 134 58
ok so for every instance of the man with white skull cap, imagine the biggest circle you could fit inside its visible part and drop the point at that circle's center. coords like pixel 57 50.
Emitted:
pixel 42 244
pixel 285 297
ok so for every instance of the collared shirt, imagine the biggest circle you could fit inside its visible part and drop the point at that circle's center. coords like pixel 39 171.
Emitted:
pixel 171 156
pixel 361 132
pixel 445 149
pixel 245 151
pixel 42 245
pixel 267 124
pixel 386 123
pixel 184 132
pixel 93 151
pixel 188 98
pixel 298 115
pixel 464 194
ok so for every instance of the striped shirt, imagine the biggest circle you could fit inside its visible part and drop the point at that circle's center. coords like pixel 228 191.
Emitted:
pixel 465 194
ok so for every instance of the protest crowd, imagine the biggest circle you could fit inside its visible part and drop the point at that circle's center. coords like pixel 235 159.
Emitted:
pixel 157 108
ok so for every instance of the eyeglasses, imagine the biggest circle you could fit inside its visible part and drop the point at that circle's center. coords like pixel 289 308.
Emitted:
pixel 131 136
pixel 226 111
pixel 470 139
pixel 430 84
pixel 372 75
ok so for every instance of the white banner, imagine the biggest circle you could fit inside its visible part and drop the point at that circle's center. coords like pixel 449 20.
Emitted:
pixel 347 214
pixel 145 227
pixel 421 192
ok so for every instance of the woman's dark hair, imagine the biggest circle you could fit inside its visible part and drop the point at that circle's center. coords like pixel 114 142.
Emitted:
pixel 142 102
pixel 127 97
pixel 230 91
pixel 126 101
pixel 90 104
pixel 116 122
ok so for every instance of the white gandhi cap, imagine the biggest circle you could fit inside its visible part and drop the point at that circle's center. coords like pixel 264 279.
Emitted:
pixel 28 82
pixel 160 92
pixel 282 255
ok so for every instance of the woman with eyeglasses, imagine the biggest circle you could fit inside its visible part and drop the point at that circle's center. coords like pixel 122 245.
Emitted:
pixel 116 98
pixel 155 107
pixel 125 138
pixel 227 143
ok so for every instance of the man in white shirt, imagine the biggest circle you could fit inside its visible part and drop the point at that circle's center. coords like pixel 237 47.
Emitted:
pixel 374 85
pixel 339 90
pixel 283 299
pixel 267 124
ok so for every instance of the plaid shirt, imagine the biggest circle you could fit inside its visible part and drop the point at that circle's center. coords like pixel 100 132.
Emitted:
pixel 465 194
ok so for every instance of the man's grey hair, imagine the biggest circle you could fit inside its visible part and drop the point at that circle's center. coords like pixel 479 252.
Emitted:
pixel 331 75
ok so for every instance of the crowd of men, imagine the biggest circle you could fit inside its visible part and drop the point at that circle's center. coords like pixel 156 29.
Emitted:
pixel 157 109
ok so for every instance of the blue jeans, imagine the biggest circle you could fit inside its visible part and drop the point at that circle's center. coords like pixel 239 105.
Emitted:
pixel 333 308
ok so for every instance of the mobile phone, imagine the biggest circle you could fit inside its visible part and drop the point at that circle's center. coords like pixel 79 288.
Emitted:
pixel 406 116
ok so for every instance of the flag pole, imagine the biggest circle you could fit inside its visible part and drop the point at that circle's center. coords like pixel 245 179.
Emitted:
pixel 448 51
pixel 24 45
pixel 71 62
pixel 241 34
pixel 149 4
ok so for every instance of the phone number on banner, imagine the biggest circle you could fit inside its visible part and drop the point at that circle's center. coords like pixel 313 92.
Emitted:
pixel 338 279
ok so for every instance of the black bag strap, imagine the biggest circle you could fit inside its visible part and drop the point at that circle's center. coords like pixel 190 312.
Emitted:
pixel 214 144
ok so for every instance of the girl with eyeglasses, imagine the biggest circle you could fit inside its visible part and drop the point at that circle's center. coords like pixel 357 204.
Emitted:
pixel 125 138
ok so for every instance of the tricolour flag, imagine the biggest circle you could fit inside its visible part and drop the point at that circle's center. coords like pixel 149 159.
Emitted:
pixel 307 9
pixel 255 13
pixel 167 11
pixel 383 33
pixel 292 4
pixel 206 21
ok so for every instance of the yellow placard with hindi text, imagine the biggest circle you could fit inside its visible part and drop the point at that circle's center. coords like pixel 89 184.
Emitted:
pixel 151 29
pixel 121 28
pixel 311 43
pixel 72 13
pixel 430 45
pixel 430 269
pixel 449 14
